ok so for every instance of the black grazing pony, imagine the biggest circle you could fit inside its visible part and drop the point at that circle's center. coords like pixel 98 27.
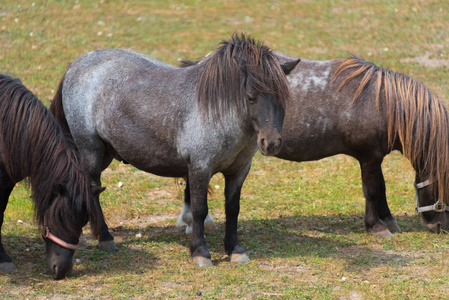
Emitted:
pixel 33 145
pixel 353 107
pixel 194 121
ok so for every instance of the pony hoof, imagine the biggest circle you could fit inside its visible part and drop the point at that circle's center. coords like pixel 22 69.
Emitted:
pixel 209 223
pixel 202 262
pixel 210 226
pixel 394 227
pixel 188 229
pixel 7 267
pixel 383 234
pixel 239 258
pixel 107 246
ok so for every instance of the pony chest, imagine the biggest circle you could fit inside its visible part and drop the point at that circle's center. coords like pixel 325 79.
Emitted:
pixel 217 144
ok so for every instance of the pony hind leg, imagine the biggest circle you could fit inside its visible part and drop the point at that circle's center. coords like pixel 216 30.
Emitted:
pixel 378 218
pixel 106 240
pixel 98 159
pixel 6 186
pixel 186 218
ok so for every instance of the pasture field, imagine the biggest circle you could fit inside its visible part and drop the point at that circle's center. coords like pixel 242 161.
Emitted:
pixel 302 224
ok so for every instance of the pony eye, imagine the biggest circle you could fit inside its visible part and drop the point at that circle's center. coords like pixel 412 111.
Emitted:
pixel 252 100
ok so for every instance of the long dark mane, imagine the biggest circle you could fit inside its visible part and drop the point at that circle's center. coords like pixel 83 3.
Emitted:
pixel 33 145
pixel 221 86
pixel 415 116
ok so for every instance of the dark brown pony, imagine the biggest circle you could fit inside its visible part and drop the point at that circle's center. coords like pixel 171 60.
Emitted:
pixel 32 145
pixel 416 119
pixel 353 107
pixel 417 125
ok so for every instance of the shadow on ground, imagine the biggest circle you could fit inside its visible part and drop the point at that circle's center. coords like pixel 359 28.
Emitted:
pixel 302 237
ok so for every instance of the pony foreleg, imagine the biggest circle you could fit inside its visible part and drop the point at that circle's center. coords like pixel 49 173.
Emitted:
pixel 6 264
pixel 385 215
pixel 382 206
pixel 378 218
pixel 198 186
pixel 233 187
pixel 186 219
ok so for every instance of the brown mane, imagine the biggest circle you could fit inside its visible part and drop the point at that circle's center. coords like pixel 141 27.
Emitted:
pixel 221 87
pixel 415 116
pixel 33 145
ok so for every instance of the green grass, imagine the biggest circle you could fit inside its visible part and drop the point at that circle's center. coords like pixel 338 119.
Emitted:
pixel 302 224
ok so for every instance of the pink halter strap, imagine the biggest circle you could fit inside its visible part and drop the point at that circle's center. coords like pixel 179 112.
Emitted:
pixel 47 234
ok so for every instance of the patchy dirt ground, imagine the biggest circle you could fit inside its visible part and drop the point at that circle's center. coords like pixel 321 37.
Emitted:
pixel 436 58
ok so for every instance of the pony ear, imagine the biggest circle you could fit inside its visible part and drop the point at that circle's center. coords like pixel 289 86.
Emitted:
pixel 187 63
pixel 289 66
pixel 97 190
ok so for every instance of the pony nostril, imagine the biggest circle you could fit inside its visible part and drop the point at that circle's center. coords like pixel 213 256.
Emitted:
pixel 262 142
pixel 57 273
pixel 55 270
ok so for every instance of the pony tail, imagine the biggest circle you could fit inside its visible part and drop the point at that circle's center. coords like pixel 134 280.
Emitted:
pixel 57 110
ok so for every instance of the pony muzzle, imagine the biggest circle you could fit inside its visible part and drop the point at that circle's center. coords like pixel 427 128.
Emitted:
pixel 59 254
pixel 59 267
pixel 271 145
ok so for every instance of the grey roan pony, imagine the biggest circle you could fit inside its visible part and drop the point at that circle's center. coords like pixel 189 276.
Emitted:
pixel 33 145
pixel 353 107
pixel 179 122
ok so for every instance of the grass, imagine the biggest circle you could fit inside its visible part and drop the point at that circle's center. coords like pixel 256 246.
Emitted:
pixel 302 224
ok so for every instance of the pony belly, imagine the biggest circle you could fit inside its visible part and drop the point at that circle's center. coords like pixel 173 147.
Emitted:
pixel 162 167
pixel 148 154
pixel 310 149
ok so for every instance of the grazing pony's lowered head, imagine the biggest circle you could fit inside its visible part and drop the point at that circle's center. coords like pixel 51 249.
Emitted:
pixel 244 77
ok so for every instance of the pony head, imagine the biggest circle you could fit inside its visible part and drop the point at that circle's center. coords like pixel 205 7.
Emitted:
pixel 62 227
pixel 245 77
pixel 433 211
